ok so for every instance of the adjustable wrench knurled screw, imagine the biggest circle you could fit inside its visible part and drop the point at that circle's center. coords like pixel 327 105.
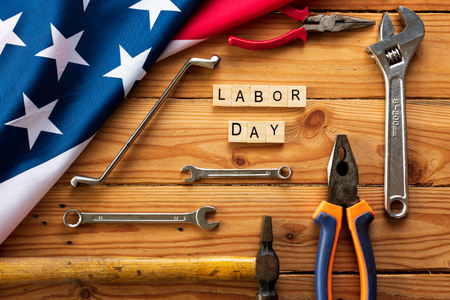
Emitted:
pixel 392 54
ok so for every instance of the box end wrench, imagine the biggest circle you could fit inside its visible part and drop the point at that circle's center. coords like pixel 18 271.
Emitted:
pixel 211 63
pixel 392 54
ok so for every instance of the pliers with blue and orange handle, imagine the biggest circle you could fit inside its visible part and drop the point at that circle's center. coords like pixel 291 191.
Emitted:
pixel 343 193
pixel 316 23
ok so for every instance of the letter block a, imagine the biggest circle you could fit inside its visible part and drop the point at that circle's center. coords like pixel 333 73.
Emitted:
pixel 237 131
pixel 256 132
pixel 240 95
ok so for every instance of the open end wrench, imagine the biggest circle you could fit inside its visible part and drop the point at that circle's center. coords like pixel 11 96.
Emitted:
pixel 198 173
pixel 211 63
pixel 197 217
pixel 393 54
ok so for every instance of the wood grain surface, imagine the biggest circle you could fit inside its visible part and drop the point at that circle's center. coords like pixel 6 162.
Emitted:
pixel 345 95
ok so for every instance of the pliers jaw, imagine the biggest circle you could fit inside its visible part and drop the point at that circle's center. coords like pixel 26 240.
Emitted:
pixel 334 23
pixel 342 174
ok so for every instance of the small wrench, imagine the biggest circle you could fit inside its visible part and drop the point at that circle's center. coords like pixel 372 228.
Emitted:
pixel 198 173
pixel 197 217
pixel 393 54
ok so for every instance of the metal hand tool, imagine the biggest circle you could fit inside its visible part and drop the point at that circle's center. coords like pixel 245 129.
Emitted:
pixel 95 269
pixel 211 63
pixel 393 54
pixel 343 193
pixel 316 23
pixel 197 217
pixel 198 173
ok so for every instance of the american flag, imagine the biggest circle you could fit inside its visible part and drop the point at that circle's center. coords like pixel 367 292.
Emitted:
pixel 65 66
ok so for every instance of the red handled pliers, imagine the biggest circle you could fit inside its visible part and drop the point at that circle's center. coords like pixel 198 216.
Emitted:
pixel 343 193
pixel 316 23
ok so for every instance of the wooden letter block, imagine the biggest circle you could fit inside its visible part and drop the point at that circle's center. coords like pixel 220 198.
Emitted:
pixel 278 96
pixel 237 131
pixel 221 95
pixel 297 96
pixel 275 132
pixel 240 95
pixel 259 95
pixel 256 132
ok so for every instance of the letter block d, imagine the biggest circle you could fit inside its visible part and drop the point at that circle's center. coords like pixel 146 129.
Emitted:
pixel 237 131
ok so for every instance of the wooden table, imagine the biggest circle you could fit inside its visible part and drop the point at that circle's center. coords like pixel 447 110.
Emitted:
pixel 346 95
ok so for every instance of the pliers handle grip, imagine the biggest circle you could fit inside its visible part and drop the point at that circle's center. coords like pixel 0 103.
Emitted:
pixel 328 217
pixel 295 34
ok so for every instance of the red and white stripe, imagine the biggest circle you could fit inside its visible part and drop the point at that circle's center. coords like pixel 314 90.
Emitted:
pixel 215 16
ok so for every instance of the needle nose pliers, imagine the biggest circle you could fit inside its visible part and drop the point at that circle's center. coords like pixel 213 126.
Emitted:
pixel 343 193
pixel 316 23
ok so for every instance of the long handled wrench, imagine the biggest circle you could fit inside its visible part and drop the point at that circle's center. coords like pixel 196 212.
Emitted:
pixel 197 217
pixel 198 173
pixel 211 63
pixel 393 54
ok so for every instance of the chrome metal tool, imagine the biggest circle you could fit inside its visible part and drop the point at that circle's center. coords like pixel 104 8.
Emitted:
pixel 211 63
pixel 393 54
pixel 197 217
pixel 314 23
pixel 198 173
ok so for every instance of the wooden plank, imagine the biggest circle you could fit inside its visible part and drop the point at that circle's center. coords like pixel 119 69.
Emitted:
pixel 345 95
pixel 330 65
pixel 390 287
pixel 193 132
pixel 373 5
pixel 418 242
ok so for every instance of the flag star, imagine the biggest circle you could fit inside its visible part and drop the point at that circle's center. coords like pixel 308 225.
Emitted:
pixel 155 7
pixel 85 4
pixel 130 69
pixel 63 50
pixel 35 120
pixel 7 36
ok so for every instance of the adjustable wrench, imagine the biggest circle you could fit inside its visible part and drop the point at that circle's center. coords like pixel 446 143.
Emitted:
pixel 393 54
pixel 197 217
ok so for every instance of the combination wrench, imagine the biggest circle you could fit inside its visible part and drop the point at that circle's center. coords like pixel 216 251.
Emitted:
pixel 197 217
pixel 198 173
pixel 392 54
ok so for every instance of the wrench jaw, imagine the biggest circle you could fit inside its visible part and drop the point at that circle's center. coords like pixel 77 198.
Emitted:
pixel 386 28
pixel 200 218
pixel 193 171
pixel 394 51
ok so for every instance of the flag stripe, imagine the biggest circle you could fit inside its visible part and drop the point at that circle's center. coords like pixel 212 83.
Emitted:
pixel 22 192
